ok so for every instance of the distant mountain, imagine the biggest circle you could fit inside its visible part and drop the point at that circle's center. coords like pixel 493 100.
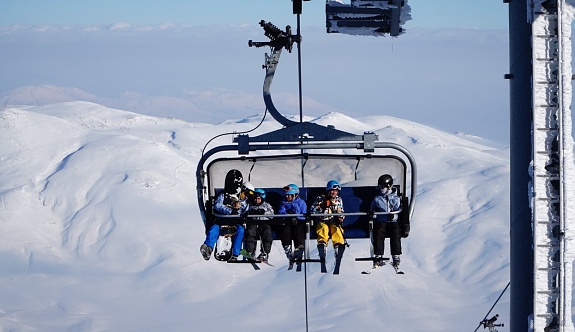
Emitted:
pixel 209 106
pixel 43 95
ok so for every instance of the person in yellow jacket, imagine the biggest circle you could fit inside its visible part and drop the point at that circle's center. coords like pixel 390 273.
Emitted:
pixel 329 203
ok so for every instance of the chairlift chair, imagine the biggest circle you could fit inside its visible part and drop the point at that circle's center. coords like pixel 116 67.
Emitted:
pixel 308 155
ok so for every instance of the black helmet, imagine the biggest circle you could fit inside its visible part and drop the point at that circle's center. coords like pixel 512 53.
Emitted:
pixel 385 181
pixel 233 182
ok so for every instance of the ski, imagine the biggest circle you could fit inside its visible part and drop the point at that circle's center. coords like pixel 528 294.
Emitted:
pixel 291 262
pixel 265 262
pixel 246 254
pixel 341 249
pixel 254 264
pixel 248 259
pixel 297 258
pixel 370 271
pixel 397 270
pixel 321 251
pixel 251 261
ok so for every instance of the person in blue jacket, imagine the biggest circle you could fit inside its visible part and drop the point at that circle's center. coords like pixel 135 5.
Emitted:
pixel 386 200
pixel 228 202
pixel 293 229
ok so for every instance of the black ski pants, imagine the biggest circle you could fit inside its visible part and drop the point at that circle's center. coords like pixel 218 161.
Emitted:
pixel 264 232
pixel 381 230
pixel 293 231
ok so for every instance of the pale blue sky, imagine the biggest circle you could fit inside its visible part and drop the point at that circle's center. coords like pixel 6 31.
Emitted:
pixel 425 13
pixel 445 71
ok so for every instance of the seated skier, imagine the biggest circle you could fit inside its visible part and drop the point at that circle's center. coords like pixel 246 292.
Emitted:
pixel 386 200
pixel 259 206
pixel 329 203
pixel 294 227
pixel 228 202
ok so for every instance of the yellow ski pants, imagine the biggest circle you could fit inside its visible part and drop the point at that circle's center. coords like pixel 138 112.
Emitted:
pixel 323 230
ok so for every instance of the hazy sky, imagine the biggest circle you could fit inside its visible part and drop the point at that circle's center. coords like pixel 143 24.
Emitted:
pixel 426 13
pixel 446 71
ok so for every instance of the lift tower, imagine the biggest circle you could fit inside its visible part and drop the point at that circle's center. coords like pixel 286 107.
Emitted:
pixel 540 88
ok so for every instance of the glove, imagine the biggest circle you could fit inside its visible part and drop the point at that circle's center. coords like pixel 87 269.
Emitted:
pixel 293 221
pixel 405 230
pixel 235 211
pixel 258 211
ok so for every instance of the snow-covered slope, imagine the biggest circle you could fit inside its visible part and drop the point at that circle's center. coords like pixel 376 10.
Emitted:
pixel 100 231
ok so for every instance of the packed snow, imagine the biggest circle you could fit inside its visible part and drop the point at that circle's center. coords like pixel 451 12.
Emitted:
pixel 101 232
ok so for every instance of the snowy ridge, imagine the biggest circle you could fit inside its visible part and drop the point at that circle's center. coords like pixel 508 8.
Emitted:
pixel 101 230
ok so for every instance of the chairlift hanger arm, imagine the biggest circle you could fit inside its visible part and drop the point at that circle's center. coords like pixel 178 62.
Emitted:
pixel 293 131
pixel 278 41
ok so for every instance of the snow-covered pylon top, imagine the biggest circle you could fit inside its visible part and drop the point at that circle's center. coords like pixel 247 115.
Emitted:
pixel 367 17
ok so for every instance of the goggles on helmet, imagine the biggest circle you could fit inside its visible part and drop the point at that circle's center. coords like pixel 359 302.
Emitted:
pixel 291 190
pixel 384 186
pixel 335 187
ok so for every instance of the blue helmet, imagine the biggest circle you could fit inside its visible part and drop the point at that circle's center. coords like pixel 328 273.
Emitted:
pixel 291 189
pixel 333 184
pixel 260 193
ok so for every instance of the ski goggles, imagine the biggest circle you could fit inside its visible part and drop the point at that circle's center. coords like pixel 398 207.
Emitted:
pixel 335 187
pixel 290 190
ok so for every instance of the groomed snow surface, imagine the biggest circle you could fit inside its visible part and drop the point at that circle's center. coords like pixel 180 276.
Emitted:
pixel 100 231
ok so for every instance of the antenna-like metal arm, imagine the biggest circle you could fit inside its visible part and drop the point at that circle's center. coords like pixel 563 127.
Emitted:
pixel 278 41
pixel 278 38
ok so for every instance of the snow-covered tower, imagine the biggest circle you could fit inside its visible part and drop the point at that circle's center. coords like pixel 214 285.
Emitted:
pixel 541 234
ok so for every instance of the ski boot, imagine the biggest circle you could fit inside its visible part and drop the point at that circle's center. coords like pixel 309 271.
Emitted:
pixel 378 262
pixel 287 251
pixel 206 251
pixel 396 261
pixel 263 257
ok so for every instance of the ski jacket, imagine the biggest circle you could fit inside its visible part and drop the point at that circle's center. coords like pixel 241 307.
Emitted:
pixel 297 206
pixel 224 204
pixel 388 202
pixel 326 204
pixel 263 209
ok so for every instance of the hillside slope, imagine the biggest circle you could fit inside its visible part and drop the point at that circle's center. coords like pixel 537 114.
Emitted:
pixel 100 232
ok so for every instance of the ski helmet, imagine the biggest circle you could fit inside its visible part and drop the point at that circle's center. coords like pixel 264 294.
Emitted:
pixel 233 182
pixel 260 193
pixel 291 189
pixel 333 184
pixel 248 186
pixel 385 181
